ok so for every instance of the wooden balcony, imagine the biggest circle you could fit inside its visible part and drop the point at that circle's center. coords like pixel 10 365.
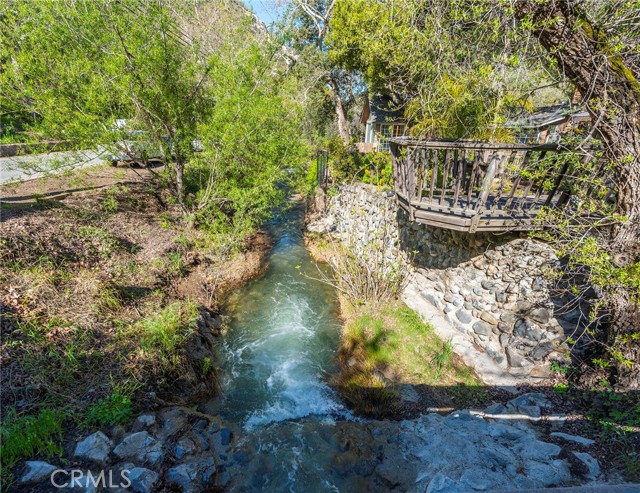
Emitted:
pixel 475 186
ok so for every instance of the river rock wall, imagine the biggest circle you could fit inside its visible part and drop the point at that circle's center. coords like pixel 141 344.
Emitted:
pixel 490 289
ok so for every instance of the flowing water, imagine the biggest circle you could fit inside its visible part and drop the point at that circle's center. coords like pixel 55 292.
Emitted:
pixel 276 357
pixel 283 338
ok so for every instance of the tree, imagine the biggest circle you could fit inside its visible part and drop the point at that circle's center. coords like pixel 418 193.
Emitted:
pixel 589 52
pixel 79 66
pixel 311 20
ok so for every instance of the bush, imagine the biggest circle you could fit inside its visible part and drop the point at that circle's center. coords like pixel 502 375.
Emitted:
pixel 346 164
pixel 377 169
pixel 368 274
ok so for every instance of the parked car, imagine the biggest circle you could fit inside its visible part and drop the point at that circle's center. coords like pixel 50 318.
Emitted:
pixel 137 149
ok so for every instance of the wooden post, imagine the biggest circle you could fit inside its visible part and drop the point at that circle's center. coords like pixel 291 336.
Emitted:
pixel 488 180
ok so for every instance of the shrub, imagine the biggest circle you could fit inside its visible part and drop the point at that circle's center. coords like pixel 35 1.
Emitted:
pixel 366 275
pixel 346 164
pixel 377 169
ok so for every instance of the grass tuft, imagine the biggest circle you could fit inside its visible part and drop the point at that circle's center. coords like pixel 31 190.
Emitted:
pixel 26 436
pixel 168 328
pixel 387 346
pixel 112 410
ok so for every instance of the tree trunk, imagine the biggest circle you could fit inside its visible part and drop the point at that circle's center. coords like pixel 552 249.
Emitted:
pixel 180 183
pixel 613 99
pixel 343 127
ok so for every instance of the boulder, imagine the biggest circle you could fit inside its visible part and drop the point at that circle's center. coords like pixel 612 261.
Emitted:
pixel 173 420
pixel 139 447
pixel 36 471
pixel 539 315
pixel 504 327
pixel 514 357
pixel 440 484
pixel 324 225
pixel 541 351
pixel 527 329
pixel 487 317
pixel 592 465
pixel 144 421
pixel 192 476
pixel 142 480
pixel 184 447
pixel 94 448
pixel 573 438
pixel 464 316
pixel 508 317
pixel 481 328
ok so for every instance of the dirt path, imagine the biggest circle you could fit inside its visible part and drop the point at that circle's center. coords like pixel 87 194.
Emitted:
pixel 77 182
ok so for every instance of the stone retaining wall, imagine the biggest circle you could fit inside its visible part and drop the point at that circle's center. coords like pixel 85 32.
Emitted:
pixel 488 288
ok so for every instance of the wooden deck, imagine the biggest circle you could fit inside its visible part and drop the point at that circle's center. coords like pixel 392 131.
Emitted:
pixel 476 186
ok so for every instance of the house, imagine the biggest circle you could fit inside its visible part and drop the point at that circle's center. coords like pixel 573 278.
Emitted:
pixel 381 121
pixel 548 124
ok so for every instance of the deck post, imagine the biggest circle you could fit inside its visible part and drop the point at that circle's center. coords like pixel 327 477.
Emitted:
pixel 488 180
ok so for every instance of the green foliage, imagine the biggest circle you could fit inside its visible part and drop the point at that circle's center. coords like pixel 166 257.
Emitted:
pixel 110 200
pixel 175 262
pixel 377 169
pixel 240 102
pixel 112 410
pixel 207 366
pixel 169 328
pixel 442 358
pixel 26 436
pixel 345 163
pixel 100 242
pixel 395 340
pixel 559 368
pixel 311 180
pixel 446 60
pixel 254 150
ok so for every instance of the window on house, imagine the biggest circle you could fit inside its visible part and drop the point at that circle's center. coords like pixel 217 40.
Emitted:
pixel 553 135
pixel 385 135
pixel 369 136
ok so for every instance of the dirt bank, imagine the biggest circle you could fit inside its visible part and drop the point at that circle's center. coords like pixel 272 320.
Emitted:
pixel 103 293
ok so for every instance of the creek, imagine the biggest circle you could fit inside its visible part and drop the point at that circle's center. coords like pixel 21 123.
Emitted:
pixel 276 359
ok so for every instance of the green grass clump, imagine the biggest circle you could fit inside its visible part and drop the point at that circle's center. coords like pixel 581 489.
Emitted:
pixel 112 410
pixel 26 436
pixel 394 341
pixel 169 327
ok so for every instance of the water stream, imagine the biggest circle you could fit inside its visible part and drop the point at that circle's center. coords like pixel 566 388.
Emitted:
pixel 276 358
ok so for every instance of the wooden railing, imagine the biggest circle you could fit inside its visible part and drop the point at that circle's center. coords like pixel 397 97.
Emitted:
pixel 472 186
